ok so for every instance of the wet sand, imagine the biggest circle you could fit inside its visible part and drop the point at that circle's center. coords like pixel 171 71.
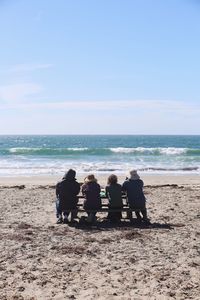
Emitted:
pixel 43 260
pixel 148 179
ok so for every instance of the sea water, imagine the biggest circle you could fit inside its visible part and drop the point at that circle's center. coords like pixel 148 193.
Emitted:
pixel 53 154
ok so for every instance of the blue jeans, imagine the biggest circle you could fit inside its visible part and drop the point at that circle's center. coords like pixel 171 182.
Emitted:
pixel 58 209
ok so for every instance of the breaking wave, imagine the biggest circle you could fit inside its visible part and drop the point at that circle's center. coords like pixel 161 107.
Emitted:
pixel 101 151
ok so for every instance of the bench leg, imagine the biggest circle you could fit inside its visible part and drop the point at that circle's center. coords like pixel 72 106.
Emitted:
pixel 74 214
pixel 114 216
pixel 138 216
pixel 129 215
pixel 91 217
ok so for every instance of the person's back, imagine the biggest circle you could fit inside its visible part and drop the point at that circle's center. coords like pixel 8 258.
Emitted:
pixel 91 191
pixel 66 191
pixel 136 199
pixel 134 190
pixel 114 194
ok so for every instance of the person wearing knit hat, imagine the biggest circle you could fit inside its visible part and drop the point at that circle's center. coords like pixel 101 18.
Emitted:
pixel 133 187
pixel 134 175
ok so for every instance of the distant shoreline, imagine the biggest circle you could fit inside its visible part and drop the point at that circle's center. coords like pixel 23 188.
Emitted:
pixel 94 134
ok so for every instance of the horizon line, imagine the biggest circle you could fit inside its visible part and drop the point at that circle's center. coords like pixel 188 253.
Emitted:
pixel 98 134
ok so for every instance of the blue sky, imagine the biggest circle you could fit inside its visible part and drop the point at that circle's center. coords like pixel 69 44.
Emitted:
pixel 100 66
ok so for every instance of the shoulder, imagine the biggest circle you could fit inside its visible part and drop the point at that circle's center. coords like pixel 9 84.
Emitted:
pixel 126 182
pixel 84 185
pixel 96 186
pixel 58 183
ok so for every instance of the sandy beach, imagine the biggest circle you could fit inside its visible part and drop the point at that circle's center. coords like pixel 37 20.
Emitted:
pixel 43 260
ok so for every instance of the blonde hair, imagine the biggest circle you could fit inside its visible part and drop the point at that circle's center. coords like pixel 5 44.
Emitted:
pixel 90 178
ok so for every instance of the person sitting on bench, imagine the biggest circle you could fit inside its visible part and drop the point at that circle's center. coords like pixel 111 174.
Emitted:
pixel 91 191
pixel 136 199
pixel 66 192
pixel 114 194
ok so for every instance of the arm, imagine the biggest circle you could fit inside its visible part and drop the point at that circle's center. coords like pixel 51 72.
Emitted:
pixel 57 189
pixel 77 188
pixel 106 190
pixel 124 189
pixel 99 189
pixel 84 190
pixel 141 183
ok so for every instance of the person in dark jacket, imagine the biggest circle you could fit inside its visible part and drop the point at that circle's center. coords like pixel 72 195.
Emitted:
pixel 66 192
pixel 91 191
pixel 136 199
pixel 114 194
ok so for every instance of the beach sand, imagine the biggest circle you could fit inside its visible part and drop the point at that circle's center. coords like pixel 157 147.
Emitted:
pixel 43 260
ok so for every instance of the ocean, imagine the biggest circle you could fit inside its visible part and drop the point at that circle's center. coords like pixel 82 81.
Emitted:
pixel 28 155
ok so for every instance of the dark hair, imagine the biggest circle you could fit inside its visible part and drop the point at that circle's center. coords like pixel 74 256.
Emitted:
pixel 70 175
pixel 112 179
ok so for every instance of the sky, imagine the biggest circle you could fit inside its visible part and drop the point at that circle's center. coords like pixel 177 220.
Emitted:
pixel 99 67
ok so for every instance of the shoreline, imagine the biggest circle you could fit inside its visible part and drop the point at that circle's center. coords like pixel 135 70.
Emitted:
pixel 189 179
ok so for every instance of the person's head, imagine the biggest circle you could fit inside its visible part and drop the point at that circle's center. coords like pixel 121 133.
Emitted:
pixel 90 178
pixel 112 179
pixel 134 175
pixel 70 175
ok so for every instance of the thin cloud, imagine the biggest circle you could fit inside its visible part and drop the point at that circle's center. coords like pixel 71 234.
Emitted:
pixel 18 92
pixel 144 105
pixel 28 67
pixel 168 106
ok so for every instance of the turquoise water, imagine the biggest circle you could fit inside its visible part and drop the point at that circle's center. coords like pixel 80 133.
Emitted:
pixel 45 155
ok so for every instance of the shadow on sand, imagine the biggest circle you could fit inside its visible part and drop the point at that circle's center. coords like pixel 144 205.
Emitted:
pixel 107 225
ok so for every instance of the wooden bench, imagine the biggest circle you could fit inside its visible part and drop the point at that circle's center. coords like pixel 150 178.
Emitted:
pixel 104 208
pixel 105 205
